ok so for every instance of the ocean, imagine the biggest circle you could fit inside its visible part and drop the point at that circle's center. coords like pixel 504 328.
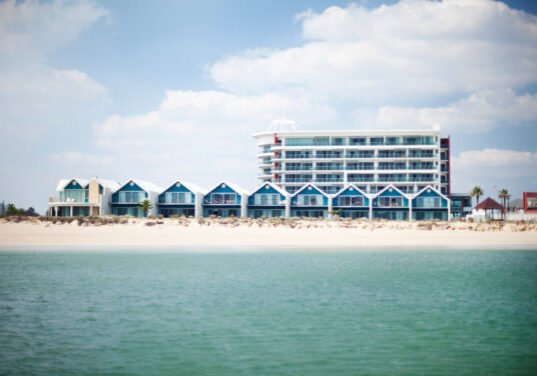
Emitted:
pixel 268 313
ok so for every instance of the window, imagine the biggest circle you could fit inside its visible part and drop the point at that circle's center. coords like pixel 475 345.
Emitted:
pixel 357 141
pixel 297 154
pixel 360 154
pixel 328 154
pixel 428 202
pixel 298 166
pixel 266 199
pixel 73 195
pixel 299 141
pixel 127 196
pixel 338 141
pixel 223 198
pixel 309 200
pixel 351 201
pixel 376 141
pixel 359 177
pixel 178 198
pixel 390 201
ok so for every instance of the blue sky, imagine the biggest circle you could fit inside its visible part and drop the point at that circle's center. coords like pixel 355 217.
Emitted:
pixel 173 90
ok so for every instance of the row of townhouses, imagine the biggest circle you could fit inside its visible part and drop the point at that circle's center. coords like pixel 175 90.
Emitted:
pixel 79 197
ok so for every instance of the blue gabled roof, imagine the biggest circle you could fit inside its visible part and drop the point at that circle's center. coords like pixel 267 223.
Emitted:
pixel 314 187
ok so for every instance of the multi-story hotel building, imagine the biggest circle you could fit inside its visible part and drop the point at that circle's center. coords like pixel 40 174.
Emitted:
pixel 371 160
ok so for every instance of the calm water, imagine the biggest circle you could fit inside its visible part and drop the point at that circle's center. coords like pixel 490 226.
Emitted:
pixel 296 313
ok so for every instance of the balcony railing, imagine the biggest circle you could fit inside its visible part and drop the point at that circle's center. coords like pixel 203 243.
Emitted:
pixel 329 180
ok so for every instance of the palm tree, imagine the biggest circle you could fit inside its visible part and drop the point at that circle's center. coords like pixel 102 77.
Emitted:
pixel 146 206
pixel 477 192
pixel 503 195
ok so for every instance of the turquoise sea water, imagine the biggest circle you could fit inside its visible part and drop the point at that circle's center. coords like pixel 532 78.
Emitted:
pixel 281 313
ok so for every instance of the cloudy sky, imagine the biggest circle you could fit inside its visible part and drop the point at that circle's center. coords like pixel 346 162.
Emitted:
pixel 172 90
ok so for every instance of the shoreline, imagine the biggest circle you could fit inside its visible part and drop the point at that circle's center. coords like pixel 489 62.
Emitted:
pixel 244 234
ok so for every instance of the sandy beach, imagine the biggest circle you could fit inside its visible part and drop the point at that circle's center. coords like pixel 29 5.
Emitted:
pixel 243 233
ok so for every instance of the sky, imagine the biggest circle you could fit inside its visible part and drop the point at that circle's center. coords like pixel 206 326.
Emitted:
pixel 173 90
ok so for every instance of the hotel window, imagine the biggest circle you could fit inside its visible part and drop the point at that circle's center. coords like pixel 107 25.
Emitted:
pixel 297 154
pixel 360 154
pixel 415 140
pixel 338 141
pixel 328 154
pixel 360 177
pixel 298 166
pixel 351 201
pixel 376 141
pixel 316 141
pixel 357 141
pixel 392 141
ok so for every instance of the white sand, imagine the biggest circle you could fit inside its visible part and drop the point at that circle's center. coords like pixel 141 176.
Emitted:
pixel 326 236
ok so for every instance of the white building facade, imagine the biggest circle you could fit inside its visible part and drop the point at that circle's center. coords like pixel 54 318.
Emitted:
pixel 371 160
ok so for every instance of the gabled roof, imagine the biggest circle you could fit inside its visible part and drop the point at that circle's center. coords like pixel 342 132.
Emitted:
pixel 278 189
pixel 432 189
pixel 488 204
pixel 191 187
pixel 310 185
pixel 64 182
pixel 347 187
pixel 145 185
pixel 388 187
pixel 236 188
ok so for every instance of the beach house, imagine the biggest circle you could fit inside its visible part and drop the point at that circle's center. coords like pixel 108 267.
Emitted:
pixel 226 200
pixel 390 203
pixel 310 201
pixel 268 201
pixel 181 199
pixel 82 197
pixel 430 204
pixel 126 199
pixel 351 202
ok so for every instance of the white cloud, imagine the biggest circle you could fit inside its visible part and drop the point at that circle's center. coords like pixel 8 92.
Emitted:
pixel 34 96
pixel 494 169
pixel 202 136
pixel 414 50
pixel 33 28
pixel 497 158
pixel 478 112
pixel 78 158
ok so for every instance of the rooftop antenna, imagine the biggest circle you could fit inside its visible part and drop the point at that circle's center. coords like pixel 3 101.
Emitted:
pixel 283 125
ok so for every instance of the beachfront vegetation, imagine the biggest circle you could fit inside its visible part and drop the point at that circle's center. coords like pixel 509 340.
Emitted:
pixel 146 206
pixel 11 209
pixel 477 192
pixel 504 196
pixel 280 222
